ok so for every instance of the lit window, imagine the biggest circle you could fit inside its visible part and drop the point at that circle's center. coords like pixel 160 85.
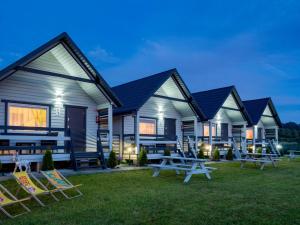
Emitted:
pixel 27 116
pixel 206 130
pixel 148 126
pixel 249 134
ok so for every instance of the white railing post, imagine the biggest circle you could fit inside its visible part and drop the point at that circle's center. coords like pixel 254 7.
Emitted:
pixel 110 126
pixel 244 144
pixel 196 133
pixel 137 132
pixel 210 137
pixel 254 138
pixel 276 135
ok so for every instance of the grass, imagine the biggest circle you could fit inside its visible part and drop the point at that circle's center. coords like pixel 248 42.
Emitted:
pixel 233 196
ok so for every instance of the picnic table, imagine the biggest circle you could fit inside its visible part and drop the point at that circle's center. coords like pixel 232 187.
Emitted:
pixel 190 166
pixel 293 154
pixel 260 158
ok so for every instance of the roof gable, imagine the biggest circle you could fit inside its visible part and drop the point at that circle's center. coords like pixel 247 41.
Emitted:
pixel 211 101
pixel 53 50
pixel 261 107
pixel 136 93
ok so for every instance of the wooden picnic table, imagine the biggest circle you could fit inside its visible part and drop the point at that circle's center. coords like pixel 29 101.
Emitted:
pixel 292 154
pixel 261 158
pixel 190 166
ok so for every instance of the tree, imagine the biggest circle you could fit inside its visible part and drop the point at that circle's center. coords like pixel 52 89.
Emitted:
pixel 112 160
pixel 48 163
pixel 142 160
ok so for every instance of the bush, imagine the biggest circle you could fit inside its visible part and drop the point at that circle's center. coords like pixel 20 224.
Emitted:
pixel 142 160
pixel 268 150
pixel 200 154
pixel 229 155
pixel 112 160
pixel 216 155
pixel 201 151
pixel 48 163
pixel 167 152
pixel 259 150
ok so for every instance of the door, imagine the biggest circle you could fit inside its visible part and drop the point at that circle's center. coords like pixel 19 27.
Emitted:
pixel 170 129
pixel 224 131
pixel 259 134
pixel 76 124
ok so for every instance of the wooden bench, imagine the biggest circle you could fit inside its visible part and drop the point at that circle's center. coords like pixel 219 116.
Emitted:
pixel 190 166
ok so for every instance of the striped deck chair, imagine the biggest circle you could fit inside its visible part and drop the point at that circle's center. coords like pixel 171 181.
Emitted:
pixel 27 185
pixel 7 198
pixel 56 179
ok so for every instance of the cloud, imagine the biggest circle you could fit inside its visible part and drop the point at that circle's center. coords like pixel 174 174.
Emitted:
pixel 100 55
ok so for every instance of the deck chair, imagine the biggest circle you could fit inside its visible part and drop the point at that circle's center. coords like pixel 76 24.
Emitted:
pixel 58 181
pixel 25 182
pixel 7 198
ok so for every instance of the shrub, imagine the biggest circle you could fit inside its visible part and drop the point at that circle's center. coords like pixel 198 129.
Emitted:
pixel 216 155
pixel 259 150
pixel 229 155
pixel 201 154
pixel 47 161
pixel 201 151
pixel 112 160
pixel 142 160
pixel 268 150
pixel 167 152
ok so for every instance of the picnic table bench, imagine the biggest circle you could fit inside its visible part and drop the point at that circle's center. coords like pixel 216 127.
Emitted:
pixel 190 166
pixel 260 158
pixel 293 154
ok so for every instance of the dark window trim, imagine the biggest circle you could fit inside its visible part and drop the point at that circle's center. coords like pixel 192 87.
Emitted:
pixel 149 118
pixel 6 102
pixel 76 106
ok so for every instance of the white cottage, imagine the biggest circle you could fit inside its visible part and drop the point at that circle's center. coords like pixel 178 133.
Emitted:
pixel 227 119
pixel 51 99
pixel 158 112
pixel 265 123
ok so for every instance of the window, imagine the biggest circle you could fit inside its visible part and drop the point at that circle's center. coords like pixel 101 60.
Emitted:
pixel 206 130
pixel 148 126
pixel 249 134
pixel 27 115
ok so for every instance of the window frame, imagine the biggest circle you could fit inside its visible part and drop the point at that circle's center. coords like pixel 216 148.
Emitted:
pixel 214 128
pixel 9 103
pixel 148 119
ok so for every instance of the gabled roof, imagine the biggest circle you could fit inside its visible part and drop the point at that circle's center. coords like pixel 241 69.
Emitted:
pixel 135 94
pixel 256 108
pixel 211 101
pixel 78 56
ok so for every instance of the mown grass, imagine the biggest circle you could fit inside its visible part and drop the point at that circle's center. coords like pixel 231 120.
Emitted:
pixel 233 196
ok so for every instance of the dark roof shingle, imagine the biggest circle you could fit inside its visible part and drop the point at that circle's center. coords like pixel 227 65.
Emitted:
pixel 256 108
pixel 211 101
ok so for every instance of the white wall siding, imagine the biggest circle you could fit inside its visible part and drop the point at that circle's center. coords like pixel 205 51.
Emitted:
pixel 128 124
pixel 28 87
pixel 155 105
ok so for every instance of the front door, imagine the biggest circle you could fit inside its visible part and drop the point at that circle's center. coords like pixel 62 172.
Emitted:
pixel 76 124
pixel 170 129
pixel 224 131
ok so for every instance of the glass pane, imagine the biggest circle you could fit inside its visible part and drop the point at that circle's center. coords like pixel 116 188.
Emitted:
pixel 206 130
pixel 249 134
pixel 27 116
pixel 147 127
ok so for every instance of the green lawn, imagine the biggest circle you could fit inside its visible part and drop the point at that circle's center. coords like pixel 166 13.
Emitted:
pixel 233 196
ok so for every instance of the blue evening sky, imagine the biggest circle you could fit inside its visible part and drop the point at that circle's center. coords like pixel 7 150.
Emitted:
pixel 254 45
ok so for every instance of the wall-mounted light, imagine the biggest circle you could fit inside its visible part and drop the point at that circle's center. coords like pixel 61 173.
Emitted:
pixel 160 115
pixel 58 102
